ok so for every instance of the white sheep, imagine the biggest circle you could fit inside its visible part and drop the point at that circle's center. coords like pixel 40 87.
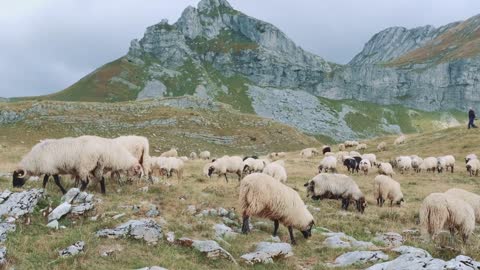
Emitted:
pixel 385 168
pixel 361 146
pixel 471 198
pixel 473 167
pixel 440 210
pixel 277 155
pixel 308 152
pixel 193 155
pixel 277 171
pixel 350 143
pixel 328 163
pixel 404 163
pixel 336 186
pixel 173 165
pixel 184 158
pixel 387 188
pixel 445 163
pixel 204 155
pixel 429 164
pixel 354 154
pixel 365 166
pixel 139 147
pixel 416 163
pixel 341 147
pixel 470 157
pixel 170 153
pixel 251 165
pixel 263 196
pixel 371 157
pixel 400 140
pixel 156 165
pixel 226 164
pixel 382 146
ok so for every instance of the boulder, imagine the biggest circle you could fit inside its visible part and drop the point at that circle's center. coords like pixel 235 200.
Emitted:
pixel 73 249
pixel 359 257
pixel 60 211
pixel 222 230
pixel 17 204
pixel 266 252
pixel 389 239
pixel 145 229
pixel 208 247
pixel 5 228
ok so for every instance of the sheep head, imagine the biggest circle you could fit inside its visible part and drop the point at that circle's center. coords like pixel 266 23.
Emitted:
pixel 308 232
pixel 19 178
pixel 210 171
pixel 310 185
pixel 361 204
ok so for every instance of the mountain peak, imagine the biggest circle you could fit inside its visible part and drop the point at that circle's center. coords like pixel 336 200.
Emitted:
pixel 208 5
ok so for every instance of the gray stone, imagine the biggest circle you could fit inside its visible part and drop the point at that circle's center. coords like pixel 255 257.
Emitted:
pixel 152 89
pixel 18 204
pixel 73 249
pixel 3 255
pixel 4 195
pixel 336 242
pixel 221 230
pixel 106 251
pixel 266 252
pixel 70 195
pixel 153 211
pixel 118 216
pixel 5 228
pixel 411 250
pixel 208 247
pixel 170 237
pixel 359 257
pixel 222 212
pixel 53 224
pixel 191 209
pixel 146 229
pixel 390 239
pixel 81 208
pixel 59 211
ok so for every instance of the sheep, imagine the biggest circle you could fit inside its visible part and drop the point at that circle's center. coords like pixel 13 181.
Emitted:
pixel 204 155
pixel 350 144
pixel 382 146
pixel 193 155
pixel 400 140
pixel 470 157
pixel 469 197
pixel 341 155
pixel 277 155
pixel 277 171
pixel 387 188
pixel 385 168
pixel 371 157
pixel 225 165
pixel 173 165
pixel 416 163
pixel 183 158
pixel 251 165
pixel 170 153
pixel 247 157
pixel 445 163
pixel 308 152
pixel 365 165
pixel 336 186
pixel 473 166
pixel 354 154
pixel 352 164
pixel 139 147
pixel 361 146
pixel 156 166
pixel 429 164
pixel 331 154
pixel 328 163
pixel 404 163
pixel 440 210
pixel 341 147
pixel 263 196
pixel 326 149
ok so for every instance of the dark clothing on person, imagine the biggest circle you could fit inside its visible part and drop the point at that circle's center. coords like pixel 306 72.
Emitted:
pixel 471 118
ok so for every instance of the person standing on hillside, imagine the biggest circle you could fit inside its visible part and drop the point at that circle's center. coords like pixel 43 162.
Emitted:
pixel 471 118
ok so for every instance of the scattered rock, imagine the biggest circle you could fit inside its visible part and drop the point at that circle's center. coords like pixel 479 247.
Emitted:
pixel 221 230
pixel 81 208
pixel 152 268
pixel 73 249
pixel 389 239
pixel 143 189
pixel 336 242
pixel 106 251
pixel 5 228
pixel 209 247
pixel 411 250
pixel 145 229
pixel 170 237
pixel 4 195
pixel 265 252
pixel 60 211
pixel 359 257
pixel 119 216
pixel 70 195
pixel 3 255
pixel 191 209
pixel 153 211
pixel 275 239
pixel 230 222
pixel 17 204
pixel 53 224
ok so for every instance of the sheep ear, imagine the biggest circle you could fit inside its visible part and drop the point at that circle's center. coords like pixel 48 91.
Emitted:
pixel 306 184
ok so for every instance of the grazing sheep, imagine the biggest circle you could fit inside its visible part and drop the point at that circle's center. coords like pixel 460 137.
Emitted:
pixel 440 210
pixel 382 146
pixel 400 140
pixel 139 147
pixel 470 157
pixel 183 158
pixel 277 155
pixel 331 154
pixel 306 153
pixel 247 157
pixel 416 163
pixel 328 163
pixel 352 164
pixel 341 155
pixel 193 155
pixel 371 157
pixel 341 147
pixel 263 196
pixel 473 166
pixel 361 146
pixel 173 165
pixel 445 163
pixel 404 163
pixel 204 155
pixel 470 197
pixel 429 164
pixel 354 154
pixel 156 165
pixel 385 168
pixel 336 186
pixel 170 153
pixel 277 171
pixel 387 188
pixel 225 165
pixel 350 144
pixel 251 165
pixel 365 165
pixel 326 149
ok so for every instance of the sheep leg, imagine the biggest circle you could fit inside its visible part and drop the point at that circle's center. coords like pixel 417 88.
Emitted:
pixel 226 179
pixel 84 184
pixel 102 185
pixel 239 176
pixel 45 180
pixel 452 169
pixel 57 181
pixel 275 227
pixel 245 225
pixel 290 232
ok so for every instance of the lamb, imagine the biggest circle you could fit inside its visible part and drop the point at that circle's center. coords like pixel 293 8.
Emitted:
pixel 328 163
pixel 470 157
pixel 170 153
pixel 445 163
pixel 341 147
pixel 173 165
pixel 251 165
pixel 365 165
pixel 277 155
pixel 440 210
pixel 263 196
pixel 429 164
pixel 336 186
pixel 225 165
pixel 352 164
pixel 193 155
pixel 400 140
pixel 385 168
pixel 416 163
pixel 469 197
pixel 308 152
pixel 204 155
pixel 326 149
pixel 139 147
pixel 387 188
pixel 277 171
pixel 156 166
pixel 371 157
pixel 404 163
pixel 473 166
pixel 382 146
pixel 361 146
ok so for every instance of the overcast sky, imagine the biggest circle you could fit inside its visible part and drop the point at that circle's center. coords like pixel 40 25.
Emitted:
pixel 46 45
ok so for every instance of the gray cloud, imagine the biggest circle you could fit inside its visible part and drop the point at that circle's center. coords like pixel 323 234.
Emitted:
pixel 49 44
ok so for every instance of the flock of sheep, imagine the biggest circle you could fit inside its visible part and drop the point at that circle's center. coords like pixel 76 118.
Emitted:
pixel 263 192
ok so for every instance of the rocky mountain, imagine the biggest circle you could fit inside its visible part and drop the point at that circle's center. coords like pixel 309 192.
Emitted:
pixel 217 53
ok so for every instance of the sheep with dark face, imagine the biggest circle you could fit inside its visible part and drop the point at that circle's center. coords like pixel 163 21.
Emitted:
pixel 352 164
pixel 326 149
